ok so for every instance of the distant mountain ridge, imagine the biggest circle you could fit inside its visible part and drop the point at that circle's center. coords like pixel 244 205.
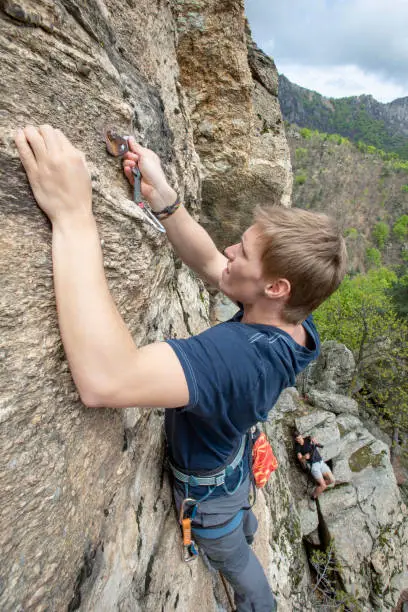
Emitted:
pixel 359 118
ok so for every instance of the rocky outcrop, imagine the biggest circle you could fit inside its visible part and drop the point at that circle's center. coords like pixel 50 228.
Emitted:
pixel 333 372
pixel 238 129
pixel 364 513
pixel 86 514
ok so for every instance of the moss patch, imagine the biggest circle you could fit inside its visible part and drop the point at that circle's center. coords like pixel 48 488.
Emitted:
pixel 363 458
pixel 342 430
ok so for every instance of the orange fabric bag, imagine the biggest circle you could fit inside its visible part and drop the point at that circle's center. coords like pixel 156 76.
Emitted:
pixel 264 461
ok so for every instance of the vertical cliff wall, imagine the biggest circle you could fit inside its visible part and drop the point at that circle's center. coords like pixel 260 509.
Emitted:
pixel 86 515
pixel 231 87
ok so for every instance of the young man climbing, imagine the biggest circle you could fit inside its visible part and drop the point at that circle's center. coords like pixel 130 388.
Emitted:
pixel 306 449
pixel 215 385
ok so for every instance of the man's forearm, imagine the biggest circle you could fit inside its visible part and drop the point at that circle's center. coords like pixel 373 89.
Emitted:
pixel 94 335
pixel 193 244
pixel 190 241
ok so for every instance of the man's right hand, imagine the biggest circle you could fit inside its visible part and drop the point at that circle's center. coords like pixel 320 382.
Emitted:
pixel 154 186
pixel 57 173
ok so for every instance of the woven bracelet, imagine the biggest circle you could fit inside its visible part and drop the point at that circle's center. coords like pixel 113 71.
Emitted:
pixel 168 211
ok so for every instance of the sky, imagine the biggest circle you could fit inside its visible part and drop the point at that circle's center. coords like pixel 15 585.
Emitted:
pixel 336 47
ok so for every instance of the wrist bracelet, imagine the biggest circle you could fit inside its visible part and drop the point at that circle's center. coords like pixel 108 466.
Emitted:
pixel 168 211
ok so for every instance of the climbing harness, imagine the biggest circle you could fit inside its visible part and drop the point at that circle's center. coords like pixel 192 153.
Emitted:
pixel 263 464
pixel 215 479
pixel 117 146
pixel 190 551
pixel 189 505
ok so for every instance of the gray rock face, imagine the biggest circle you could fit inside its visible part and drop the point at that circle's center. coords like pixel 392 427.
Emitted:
pixel 79 486
pixel 334 402
pixel 364 512
pixel 333 371
pixel 238 127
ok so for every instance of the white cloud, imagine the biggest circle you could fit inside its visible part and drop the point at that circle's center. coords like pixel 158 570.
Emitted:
pixel 342 81
pixel 332 35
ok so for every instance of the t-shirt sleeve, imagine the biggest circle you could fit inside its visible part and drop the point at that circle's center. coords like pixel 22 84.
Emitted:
pixel 226 378
pixel 216 363
pixel 314 335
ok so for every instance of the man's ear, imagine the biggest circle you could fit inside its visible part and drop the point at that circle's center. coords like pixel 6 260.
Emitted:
pixel 279 288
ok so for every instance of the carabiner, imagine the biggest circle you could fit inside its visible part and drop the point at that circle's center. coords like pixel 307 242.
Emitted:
pixel 190 551
pixel 137 198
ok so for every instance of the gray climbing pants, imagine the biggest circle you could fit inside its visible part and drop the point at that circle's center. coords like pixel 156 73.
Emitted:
pixel 233 557
pixel 231 553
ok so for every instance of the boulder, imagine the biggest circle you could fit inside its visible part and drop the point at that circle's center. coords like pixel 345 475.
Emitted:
pixel 333 371
pixel 332 401
pixel 363 514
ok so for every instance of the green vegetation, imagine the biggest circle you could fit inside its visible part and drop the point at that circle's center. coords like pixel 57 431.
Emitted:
pixel 309 134
pixel 373 256
pixel 300 178
pixel 404 188
pixel 381 234
pixel 400 229
pixel 363 458
pixel 306 133
pixel 301 154
pixel 394 161
pixel 399 295
pixel 352 118
pixel 351 232
pixel 341 317
pixel 366 314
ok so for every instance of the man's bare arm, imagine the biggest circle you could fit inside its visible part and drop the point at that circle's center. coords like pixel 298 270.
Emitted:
pixel 189 239
pixel 107 367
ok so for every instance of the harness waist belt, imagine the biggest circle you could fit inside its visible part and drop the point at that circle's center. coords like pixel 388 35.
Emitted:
pixel 214 480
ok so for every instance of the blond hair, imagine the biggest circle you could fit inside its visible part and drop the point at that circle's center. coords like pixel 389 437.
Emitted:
pixel 307 249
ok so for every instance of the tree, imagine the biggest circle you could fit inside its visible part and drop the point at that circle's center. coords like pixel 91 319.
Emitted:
pixel 400 229
pixel 373 256
pixel 361 315
pixel 399 295
pixel 356 310
pixel 381 233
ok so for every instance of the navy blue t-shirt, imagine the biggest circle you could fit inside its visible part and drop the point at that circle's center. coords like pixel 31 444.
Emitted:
pixel 235 373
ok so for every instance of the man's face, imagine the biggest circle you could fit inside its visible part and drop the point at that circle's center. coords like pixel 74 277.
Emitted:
pixel 242 279
pixel 299 439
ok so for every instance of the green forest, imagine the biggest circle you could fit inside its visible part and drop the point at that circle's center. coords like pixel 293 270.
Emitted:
pixel 356 123
pixel 359 118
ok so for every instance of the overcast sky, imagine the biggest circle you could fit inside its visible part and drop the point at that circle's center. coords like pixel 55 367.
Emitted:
pixel 336 47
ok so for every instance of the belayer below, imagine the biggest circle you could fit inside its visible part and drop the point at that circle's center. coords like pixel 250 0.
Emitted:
pixel 306 449
pixel 216 385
